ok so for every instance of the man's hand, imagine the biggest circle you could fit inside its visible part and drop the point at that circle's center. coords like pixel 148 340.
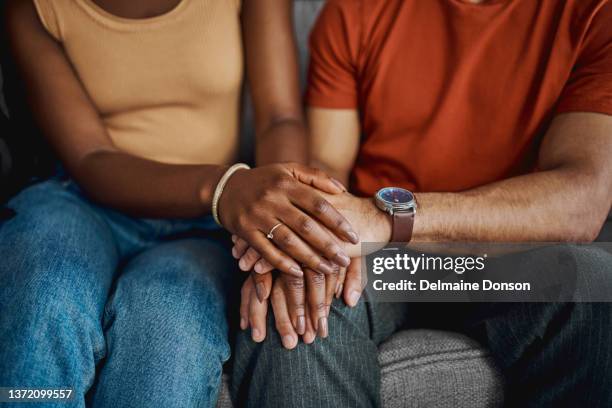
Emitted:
pixel 254 201
pixel 292 316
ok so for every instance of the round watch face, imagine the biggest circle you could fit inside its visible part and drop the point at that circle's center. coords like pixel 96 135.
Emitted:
pixel 396 196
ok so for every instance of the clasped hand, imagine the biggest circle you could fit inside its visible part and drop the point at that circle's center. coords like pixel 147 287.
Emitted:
pixel 315 247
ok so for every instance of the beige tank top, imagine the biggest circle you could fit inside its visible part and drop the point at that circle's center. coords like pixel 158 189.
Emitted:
pixel 166 87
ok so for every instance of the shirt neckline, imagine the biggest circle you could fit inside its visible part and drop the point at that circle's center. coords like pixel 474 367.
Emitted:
pixel 103 15
pixel 485 4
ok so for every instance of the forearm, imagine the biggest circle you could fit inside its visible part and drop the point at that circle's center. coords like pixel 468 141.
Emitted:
pixel 558 205
pixel 147 188
pixel 273 77
pixel 340 174
pixel 282 141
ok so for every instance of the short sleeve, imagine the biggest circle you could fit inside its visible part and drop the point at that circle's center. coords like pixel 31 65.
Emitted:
pixel 589 88
pixel 48 17
pixel 334 47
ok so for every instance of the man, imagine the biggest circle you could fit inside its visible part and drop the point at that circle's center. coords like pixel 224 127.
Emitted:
pixel 496 114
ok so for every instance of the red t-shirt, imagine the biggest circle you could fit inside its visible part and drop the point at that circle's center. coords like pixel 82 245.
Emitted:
pixel 454 95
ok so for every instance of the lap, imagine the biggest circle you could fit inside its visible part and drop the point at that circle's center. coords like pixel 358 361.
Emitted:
pixel 179 287
pixel 165 323
pixel 54 251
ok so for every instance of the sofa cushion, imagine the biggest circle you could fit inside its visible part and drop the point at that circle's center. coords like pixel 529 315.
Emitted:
pixel 427 368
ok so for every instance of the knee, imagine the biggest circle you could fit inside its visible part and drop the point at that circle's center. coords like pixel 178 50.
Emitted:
pixel 184 277
pixel 590 267
pixel 593 320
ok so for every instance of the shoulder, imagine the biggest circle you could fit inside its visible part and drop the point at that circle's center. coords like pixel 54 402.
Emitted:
pixel 20 13
pixel 590 26
pixel 586 12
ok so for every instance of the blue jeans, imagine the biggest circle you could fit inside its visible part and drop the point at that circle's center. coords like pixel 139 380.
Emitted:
pixel 128 312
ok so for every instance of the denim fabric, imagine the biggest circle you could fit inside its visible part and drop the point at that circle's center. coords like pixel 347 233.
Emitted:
pixel 128 312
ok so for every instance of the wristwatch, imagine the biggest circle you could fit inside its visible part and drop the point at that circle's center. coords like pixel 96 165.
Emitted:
pixel 401 205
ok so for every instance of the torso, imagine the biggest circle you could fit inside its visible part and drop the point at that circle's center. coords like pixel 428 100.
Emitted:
pixel 454 95
pixel 165 75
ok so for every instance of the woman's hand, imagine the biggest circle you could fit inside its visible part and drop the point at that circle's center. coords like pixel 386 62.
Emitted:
pixel 253 312
pixel 371 224
pixel 301 307
pixel 310 228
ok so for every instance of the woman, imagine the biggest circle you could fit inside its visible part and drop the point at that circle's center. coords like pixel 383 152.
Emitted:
pixel 114 275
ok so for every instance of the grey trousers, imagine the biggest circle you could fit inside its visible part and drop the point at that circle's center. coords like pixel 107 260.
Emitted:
pixel 551 354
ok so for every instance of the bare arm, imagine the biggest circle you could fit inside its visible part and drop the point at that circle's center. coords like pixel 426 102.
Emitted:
pixel 334 140
pixel 139 186
pixel 74 128
pixel 568 199
pixel 272 71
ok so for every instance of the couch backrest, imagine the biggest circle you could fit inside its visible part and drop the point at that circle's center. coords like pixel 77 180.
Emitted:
pixel 2 102
pixel 305 13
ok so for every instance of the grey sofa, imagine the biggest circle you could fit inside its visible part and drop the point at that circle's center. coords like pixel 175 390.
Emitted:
pixel 420 368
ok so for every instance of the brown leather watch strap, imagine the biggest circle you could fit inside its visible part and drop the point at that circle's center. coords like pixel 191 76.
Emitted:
pixel 403 222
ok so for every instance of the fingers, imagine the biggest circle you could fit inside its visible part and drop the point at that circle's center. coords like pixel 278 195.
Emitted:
pixel 291 244
pixel 245 301
pixel 257 317
pixel 295 295
pixel 248 259
pixel 310 335
pixel 317 206
pixel 317 237
pixel 354 283
pixel 263 285
pixel 317 179
pixel 247 254
pixel 315 288
pixel 263 266
pixel 330 289
pixel 340 282
pixel 240 246
pixel 281 317
pixel 273 255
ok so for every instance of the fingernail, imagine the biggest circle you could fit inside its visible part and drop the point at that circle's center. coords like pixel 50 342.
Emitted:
pixel 288 341
pixel 342 259
pixel 325 268
pixel 323 327
pixel 353 237
pixel 234 239
pixel 243 323
pixel 242 264
pixel 261 292
pixel 338 184
pixel 296 271
pixel 301 325
pixel 309 337
pixel 256 335
pixel 353 298
pixel 258 267
pixel 339 291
